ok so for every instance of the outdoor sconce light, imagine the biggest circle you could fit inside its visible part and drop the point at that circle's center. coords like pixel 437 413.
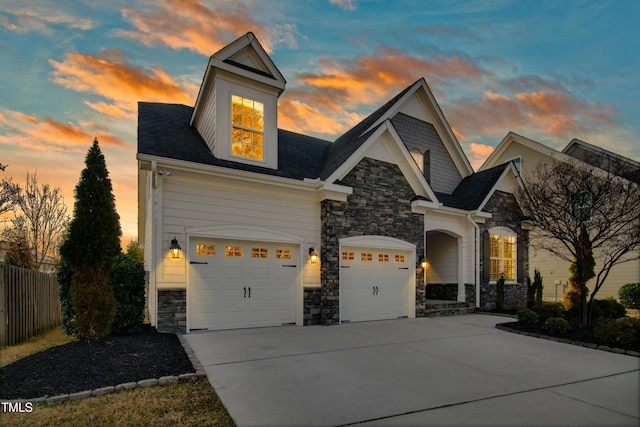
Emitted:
pixel 175 248
pixel 313 255
pixel 423 263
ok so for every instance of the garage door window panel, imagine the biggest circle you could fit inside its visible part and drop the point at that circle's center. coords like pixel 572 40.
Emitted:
pixel 233 251
pixel 259 253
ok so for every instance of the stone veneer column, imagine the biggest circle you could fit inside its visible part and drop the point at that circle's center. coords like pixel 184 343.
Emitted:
pixel 172 310
pixel 380 205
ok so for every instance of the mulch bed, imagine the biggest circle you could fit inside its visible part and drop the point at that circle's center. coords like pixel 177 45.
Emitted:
pixel 576 334
pixel 83 365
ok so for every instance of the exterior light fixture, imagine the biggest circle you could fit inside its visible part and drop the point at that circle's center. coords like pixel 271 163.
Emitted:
pixel 424 264
pixel 175 248
pixel 313 255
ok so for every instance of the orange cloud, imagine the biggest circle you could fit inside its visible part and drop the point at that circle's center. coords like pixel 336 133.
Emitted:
pixel 109 75
pixel 300 117
pixel 343 86
pixel 479 153
pixel 28 132
pixel 189 24
pixel 556 113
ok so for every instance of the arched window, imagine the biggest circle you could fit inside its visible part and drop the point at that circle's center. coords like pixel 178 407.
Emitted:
pixel 502 254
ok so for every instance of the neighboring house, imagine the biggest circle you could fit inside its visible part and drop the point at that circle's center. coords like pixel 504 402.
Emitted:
pixel 528 155
pixel 275 227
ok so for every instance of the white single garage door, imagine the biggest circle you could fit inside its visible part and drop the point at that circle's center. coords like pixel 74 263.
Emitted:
pixel 374 283
pixel 240 284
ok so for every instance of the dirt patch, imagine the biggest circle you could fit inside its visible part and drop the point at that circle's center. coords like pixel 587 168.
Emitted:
pixel 84 365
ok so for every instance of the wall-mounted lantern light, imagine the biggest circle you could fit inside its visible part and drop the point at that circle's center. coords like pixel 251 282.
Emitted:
pixel 175 248
pixel 313 255
pixel 424 264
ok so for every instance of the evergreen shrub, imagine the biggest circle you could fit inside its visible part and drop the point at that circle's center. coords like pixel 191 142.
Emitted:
pixel 556 325
pixel 127 282
pixel 621 331
pixel 528 316
pixel 629 295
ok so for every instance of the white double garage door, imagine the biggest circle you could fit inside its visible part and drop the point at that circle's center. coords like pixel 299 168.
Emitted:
pixel 244 284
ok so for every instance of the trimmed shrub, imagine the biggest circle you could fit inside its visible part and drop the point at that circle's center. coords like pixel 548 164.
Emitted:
pixel 607 308
pixel 127 282
pixel 622 331
pixel 550 309
pixel 556 325
pixel 629 295
pixel 528 316
pixel 65 273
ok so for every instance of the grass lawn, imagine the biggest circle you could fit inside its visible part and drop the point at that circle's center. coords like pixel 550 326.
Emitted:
pixel 182 403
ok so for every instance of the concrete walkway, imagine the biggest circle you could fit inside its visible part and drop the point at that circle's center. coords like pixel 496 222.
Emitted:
pixel 453 371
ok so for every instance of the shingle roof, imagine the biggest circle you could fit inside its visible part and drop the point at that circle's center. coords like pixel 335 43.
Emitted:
pixel 473 189
pixel 164 131
pixel 349 142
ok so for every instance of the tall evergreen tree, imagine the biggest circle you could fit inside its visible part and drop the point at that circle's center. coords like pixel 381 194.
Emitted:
pixel 91 245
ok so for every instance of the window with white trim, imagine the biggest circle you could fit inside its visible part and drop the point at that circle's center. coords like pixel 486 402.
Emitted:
pixel 502 254
pixel 247 123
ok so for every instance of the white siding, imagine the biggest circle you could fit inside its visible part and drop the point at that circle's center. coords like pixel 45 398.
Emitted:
pixel 442 255
pixel 463 231
pixel 554 269
pixel 193 203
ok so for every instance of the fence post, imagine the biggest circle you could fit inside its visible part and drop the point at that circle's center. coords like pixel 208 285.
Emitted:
pixel 3 309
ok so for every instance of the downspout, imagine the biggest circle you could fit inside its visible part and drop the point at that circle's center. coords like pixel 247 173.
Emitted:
pixel 477 258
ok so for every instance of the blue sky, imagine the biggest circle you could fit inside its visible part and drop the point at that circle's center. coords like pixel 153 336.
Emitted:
pixel 549 70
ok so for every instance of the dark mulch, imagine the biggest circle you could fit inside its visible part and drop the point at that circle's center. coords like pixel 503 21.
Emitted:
pixel 576 334
pixel 84 365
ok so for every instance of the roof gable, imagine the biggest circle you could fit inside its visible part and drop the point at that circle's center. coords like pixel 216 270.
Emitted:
pixel 349 142
pixel 246 55
pixel 384 143
pixel 474 191
pixel 604 159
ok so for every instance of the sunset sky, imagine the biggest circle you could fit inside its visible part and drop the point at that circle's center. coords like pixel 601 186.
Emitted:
pixel 549 70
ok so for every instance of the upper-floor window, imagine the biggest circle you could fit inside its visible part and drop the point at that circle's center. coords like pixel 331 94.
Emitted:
pixel 418 157
pixel 247 122
pixel 502 252
pixel 517 162
pixel 423 160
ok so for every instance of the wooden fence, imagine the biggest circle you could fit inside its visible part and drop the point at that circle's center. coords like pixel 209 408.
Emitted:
pixel 29 304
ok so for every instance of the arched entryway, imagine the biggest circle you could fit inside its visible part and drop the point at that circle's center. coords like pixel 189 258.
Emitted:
pixel 443 255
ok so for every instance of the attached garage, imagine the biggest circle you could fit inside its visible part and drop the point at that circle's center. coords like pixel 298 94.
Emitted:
pixel 377 279
pixel 241 283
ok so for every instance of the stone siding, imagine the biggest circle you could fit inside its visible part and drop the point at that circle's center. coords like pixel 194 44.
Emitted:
pixel 312 303
pixel 442 291
pixel 380 205
pixel 470 294
pixel 515 296
pixel 505 213
pixel 172 311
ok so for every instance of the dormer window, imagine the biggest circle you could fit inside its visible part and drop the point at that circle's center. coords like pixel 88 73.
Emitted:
pixel 247 121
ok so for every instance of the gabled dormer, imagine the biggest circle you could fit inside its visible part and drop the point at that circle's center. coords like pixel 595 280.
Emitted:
pixel 237 106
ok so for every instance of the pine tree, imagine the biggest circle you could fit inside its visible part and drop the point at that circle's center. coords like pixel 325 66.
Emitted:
pixel 91 245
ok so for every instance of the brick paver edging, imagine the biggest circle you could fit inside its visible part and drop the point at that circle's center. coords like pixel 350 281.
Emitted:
pixel 199 372
pixel 568 341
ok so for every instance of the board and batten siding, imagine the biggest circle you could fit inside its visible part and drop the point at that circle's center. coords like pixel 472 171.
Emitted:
pixel 187 203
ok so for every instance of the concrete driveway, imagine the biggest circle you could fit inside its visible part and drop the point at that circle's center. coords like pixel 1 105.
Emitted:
pixel 452 371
